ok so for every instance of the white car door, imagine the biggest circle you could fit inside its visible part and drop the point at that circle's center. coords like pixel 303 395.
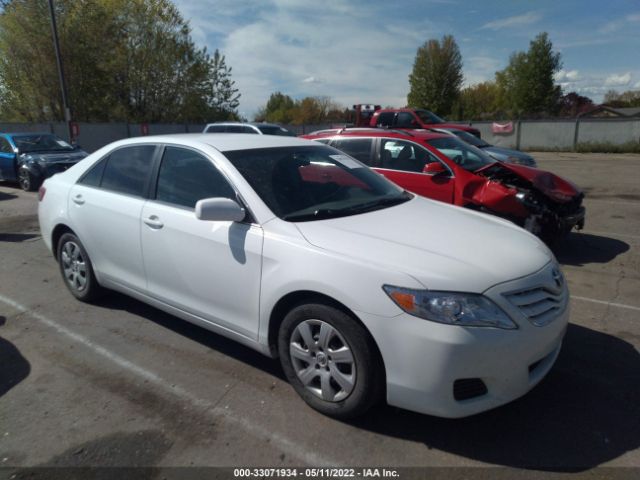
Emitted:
pixel 105 207
pixel 209 269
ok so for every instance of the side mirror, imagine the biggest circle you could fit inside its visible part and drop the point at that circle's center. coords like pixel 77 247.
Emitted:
pixel 434 168
pixel 219 210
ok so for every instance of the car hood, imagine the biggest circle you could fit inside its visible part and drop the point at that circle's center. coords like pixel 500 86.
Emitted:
pixel 507 152
pixel 456 126
pixel 74 156
pixel 551 185
pixel 442 246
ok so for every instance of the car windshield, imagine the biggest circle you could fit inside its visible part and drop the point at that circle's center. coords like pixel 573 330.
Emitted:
pixel 467 156
pixel 314 182
pixel 470 139
pixel 429 117
pixel 41 143
pixel 275 130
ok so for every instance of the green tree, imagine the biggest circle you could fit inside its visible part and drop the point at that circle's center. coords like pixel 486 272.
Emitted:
pixel 477 102
pixel 437 76
pixel 128 60
pixel 224 95
pixel 629 98
pixel 527 84
pixel 279 109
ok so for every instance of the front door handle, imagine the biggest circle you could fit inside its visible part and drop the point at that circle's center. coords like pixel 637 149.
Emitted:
pixel 154 222
pixel 78 200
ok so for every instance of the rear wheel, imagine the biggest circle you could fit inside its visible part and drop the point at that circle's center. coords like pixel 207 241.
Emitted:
pixel 76 269
pixel 330 360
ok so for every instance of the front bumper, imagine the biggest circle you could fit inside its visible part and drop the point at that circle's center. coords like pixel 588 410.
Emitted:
pixel 574 220
pixel 424 360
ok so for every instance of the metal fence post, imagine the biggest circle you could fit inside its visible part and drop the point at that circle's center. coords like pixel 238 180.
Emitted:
pixel 576 133
pixel 518 130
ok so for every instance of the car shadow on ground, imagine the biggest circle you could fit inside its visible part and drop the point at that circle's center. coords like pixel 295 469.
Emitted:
pixel 579 249
pixel 17 237
pixel 6 196
pixel 114 300
pixel 586 412
pixel 14 368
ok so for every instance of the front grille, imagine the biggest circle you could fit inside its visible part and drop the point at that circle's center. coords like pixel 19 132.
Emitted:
pixel 466 388
pixel 540 304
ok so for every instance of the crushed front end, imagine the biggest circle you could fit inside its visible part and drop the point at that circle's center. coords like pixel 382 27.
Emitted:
pixel 543 203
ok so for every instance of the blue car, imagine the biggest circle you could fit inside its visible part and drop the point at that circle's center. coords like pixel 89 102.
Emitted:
pixel 507 155
pixel 29 158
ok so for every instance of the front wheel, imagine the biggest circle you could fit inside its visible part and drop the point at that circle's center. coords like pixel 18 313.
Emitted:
pixel 330 360
pixel 28 181
pixel 76 269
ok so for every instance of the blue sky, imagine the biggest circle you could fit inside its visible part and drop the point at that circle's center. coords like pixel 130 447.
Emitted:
pixel 362 51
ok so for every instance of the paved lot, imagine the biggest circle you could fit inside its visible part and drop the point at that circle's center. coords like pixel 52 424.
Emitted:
pixel 123 384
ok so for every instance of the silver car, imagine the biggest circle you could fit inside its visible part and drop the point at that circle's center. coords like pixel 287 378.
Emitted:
pixel 507 155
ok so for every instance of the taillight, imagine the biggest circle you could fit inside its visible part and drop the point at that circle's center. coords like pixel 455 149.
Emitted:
pixel 41 192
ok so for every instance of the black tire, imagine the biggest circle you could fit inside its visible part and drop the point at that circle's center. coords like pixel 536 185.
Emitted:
pixel 76 269
pixel 28 181
pixel 368 387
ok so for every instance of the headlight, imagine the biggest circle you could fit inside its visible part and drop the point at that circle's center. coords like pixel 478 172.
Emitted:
pixel 464 309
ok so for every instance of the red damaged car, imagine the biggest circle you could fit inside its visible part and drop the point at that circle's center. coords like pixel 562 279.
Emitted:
pixel 444 168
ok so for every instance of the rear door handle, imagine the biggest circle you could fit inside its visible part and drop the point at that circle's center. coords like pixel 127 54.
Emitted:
pixel 78 200
pixel 154 222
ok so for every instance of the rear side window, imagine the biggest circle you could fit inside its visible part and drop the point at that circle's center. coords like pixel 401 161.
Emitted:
pixel 385 119
pixel 186 176
pixel 128 169
pixel 359 148
pixel 215 129
pixel 93 177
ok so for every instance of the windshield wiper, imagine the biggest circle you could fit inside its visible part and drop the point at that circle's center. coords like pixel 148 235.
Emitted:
pixel 324 213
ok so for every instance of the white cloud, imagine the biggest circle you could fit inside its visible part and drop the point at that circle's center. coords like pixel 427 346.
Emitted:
pixel 515 21
pixel 637 85
pixel 615 80
pixel 480 68
pixel 312 48
pixel 620 23
pixel 568 76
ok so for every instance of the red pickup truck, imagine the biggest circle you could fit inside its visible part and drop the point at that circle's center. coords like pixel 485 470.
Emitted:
pixel 404 118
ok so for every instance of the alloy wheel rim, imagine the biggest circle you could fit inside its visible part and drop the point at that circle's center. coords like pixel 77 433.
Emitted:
pixel 25 183
pixel 322 360
pixel 74 266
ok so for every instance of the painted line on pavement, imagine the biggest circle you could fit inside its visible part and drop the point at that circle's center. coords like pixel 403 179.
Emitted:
pixel 285 444
pixel 603 302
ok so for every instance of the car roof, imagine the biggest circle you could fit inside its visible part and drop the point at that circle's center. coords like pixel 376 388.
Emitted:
pixel 421 134
pixel 222 141
pixel 252 124
pixel 24 134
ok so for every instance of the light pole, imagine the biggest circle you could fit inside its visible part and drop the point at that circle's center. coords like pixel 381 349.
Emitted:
pixel 63 86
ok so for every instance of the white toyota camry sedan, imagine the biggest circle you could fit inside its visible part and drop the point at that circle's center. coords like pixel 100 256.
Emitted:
pixel 364 291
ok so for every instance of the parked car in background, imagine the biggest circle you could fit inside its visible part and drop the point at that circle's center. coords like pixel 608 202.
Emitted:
pixel 29 158
pixel 412 118
pixel 443 167
pixel 507 155
pixel 303 253
pixel 240 127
